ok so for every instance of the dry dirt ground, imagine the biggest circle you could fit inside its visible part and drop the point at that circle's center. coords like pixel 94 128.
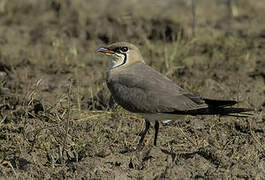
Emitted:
pixel 56 117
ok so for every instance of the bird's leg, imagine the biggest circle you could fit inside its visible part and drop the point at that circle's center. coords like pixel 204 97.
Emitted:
pixel 147 126
pixel 139 146
pixel 156 131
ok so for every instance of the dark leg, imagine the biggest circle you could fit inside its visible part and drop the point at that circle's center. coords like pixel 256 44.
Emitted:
pixel 156 131
pixel 147 126
pixel 139 146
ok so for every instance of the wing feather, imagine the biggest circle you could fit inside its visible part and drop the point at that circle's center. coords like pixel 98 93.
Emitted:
pixel 140 88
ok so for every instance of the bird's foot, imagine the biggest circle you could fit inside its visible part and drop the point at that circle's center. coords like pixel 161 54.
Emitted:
pixel 138 149
pixel 128 151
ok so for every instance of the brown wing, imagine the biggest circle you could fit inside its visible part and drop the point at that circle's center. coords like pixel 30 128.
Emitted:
pixel 140 88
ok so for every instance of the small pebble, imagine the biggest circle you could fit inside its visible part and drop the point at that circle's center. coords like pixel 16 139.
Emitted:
pixel 4 91
pixel 2 75
pixel 166 122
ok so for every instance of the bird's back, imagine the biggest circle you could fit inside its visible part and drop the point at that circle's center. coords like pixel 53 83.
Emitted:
pixel 140 88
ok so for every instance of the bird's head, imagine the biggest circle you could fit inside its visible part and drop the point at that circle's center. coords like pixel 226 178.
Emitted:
pixel 122 54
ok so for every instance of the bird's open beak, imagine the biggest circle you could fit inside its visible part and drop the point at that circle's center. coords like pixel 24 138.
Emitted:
pixel 105 50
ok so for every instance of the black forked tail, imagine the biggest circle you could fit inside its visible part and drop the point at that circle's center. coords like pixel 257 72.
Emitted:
pixel 219 107
pixel 225 111
pixel 230 111
pixel 219 103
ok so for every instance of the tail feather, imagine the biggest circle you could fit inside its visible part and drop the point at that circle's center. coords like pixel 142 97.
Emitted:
pixel 228 111
pixel 217 107
pixel 219 103
pixel 241 112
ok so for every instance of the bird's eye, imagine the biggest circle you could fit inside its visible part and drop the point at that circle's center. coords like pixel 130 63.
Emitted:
pixel 124 49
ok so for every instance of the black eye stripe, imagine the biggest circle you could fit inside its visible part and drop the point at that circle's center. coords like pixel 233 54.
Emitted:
pixel 120 49
pixel 124 49
pixel 116 49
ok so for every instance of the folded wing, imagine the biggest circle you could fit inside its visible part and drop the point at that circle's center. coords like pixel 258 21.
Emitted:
pixel 143 89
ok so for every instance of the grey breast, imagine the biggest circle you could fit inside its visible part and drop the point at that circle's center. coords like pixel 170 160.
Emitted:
pixel 141 89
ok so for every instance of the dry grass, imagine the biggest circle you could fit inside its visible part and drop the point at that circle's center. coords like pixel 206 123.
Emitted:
pixel 56 116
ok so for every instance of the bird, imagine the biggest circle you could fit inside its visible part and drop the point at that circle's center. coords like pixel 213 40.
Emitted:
pixel 139 88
